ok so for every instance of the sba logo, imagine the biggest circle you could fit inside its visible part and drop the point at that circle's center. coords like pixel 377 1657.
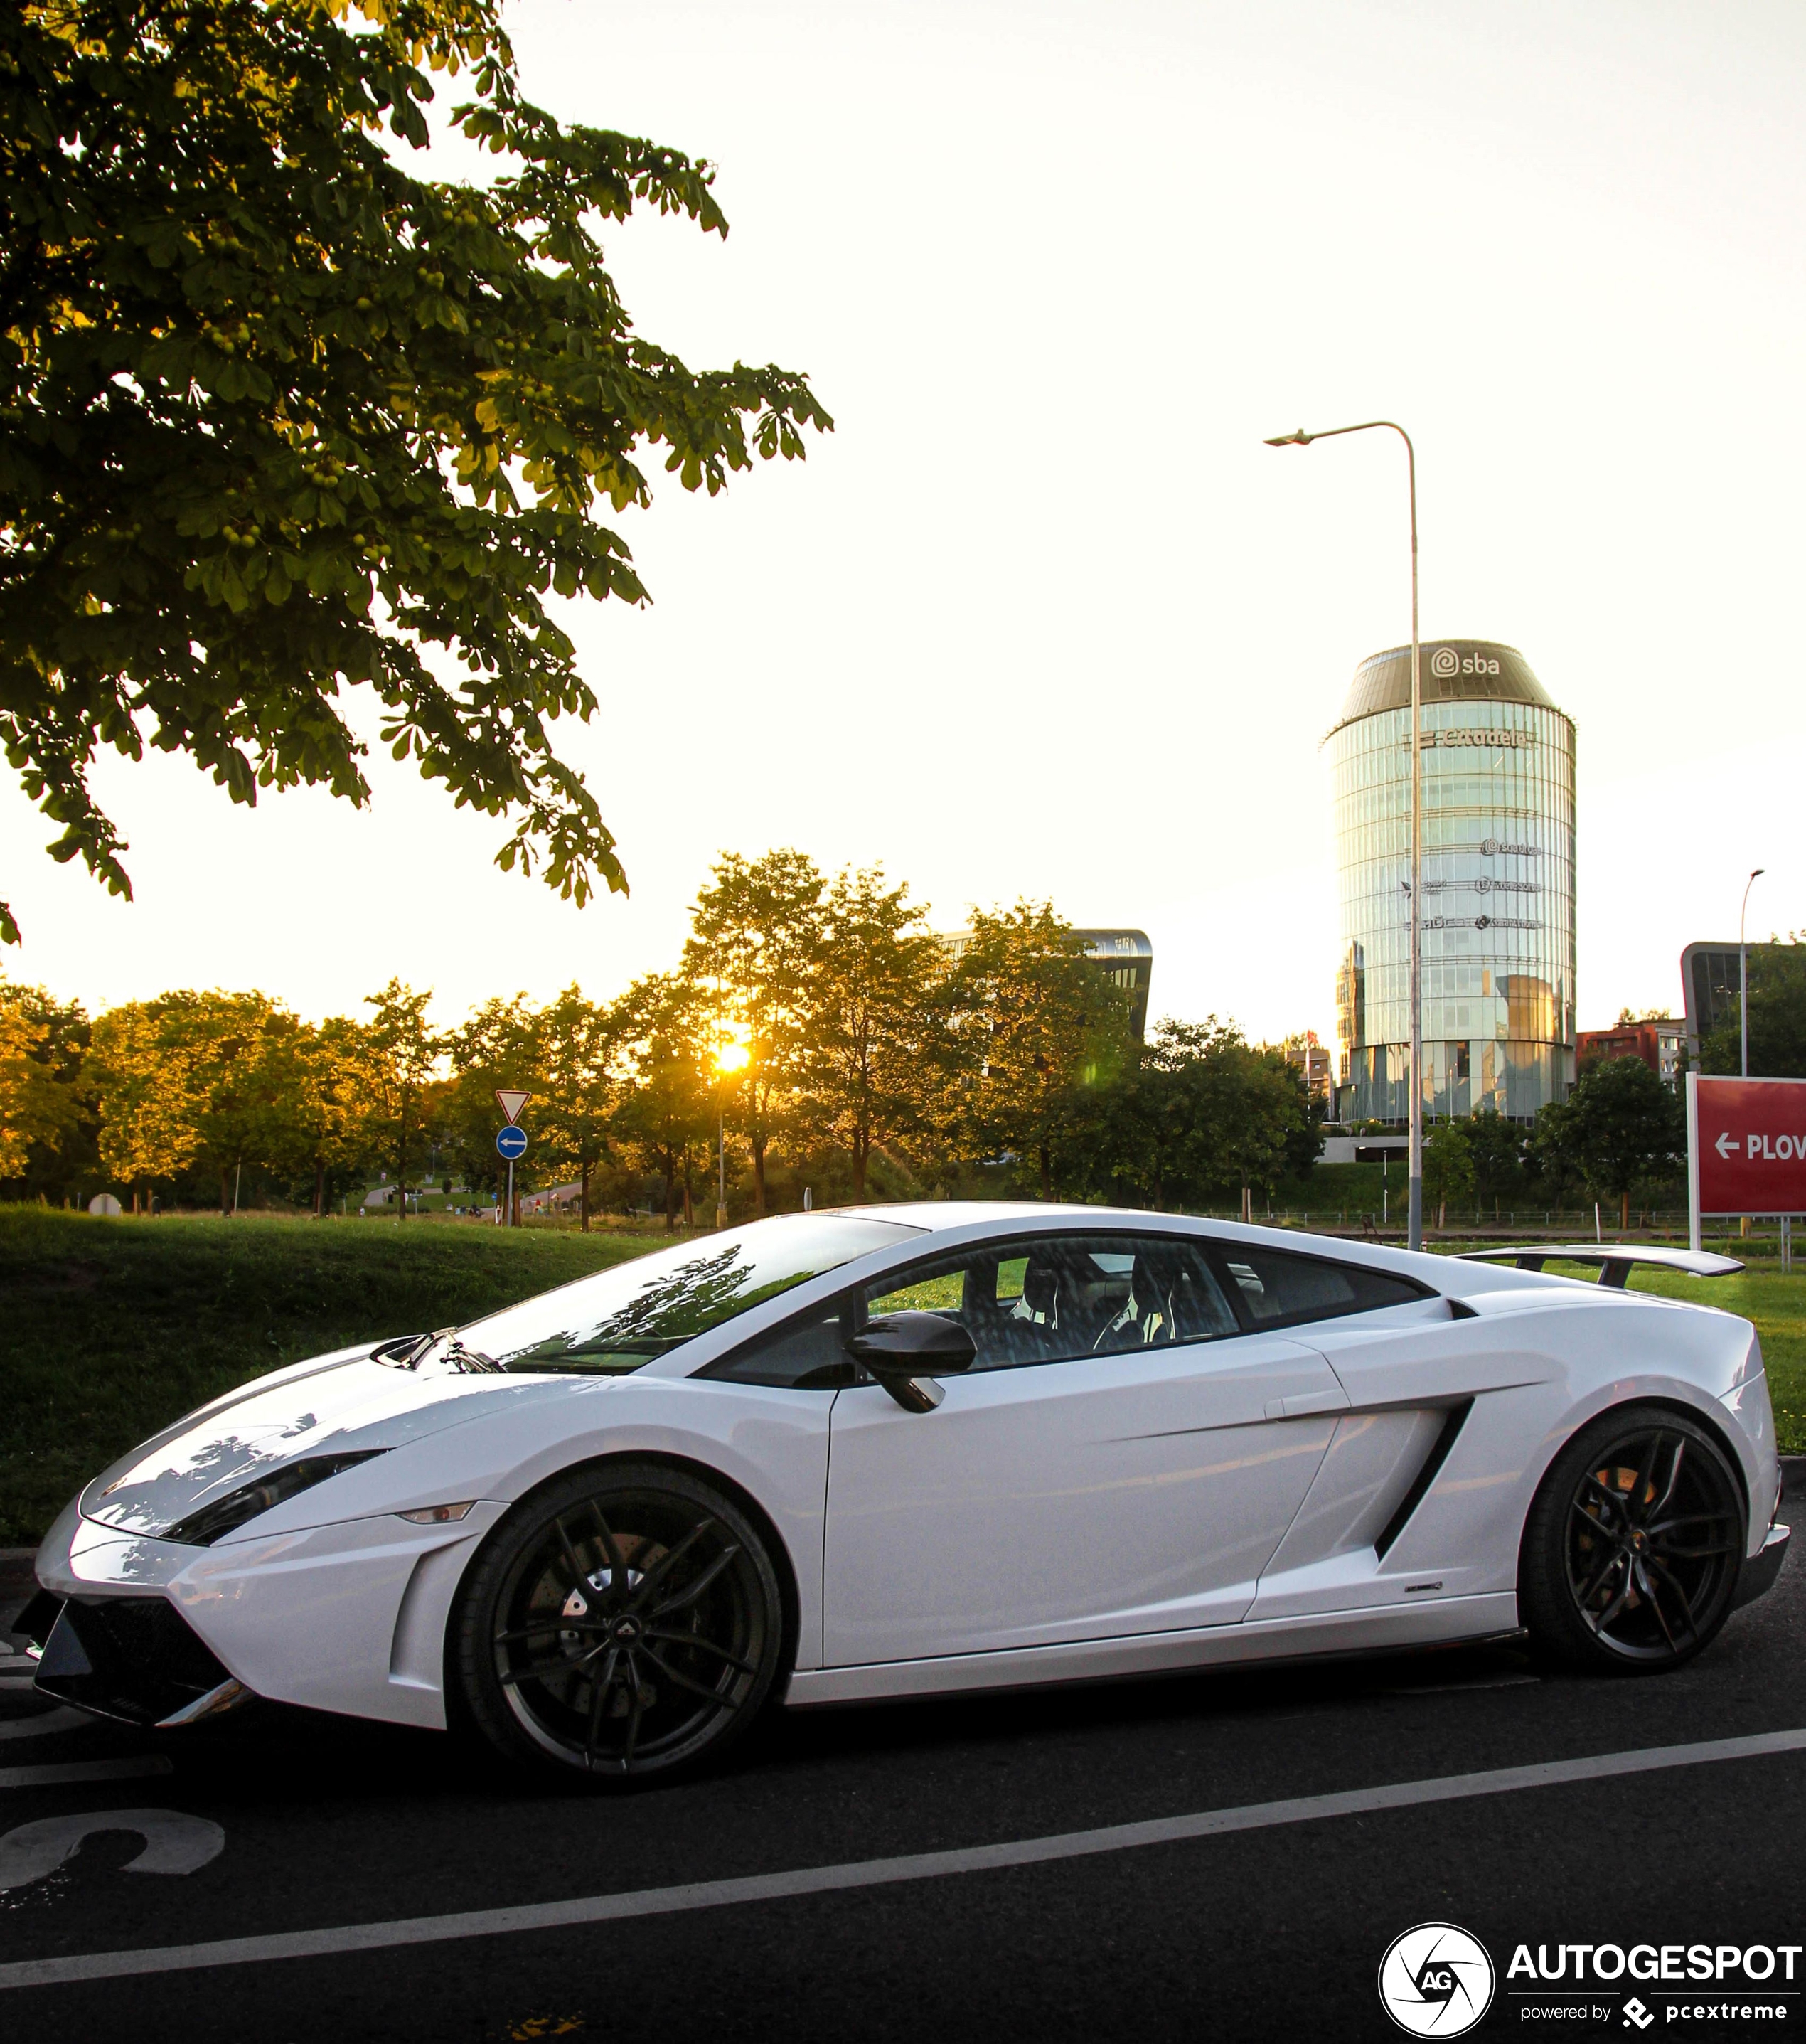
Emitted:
pixel 1445 662
pixel 1435 1980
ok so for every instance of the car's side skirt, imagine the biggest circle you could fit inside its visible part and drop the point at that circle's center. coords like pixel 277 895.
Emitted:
pixel 1437 1621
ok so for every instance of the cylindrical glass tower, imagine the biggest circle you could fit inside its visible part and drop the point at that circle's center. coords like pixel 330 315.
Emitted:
pixel 1498 906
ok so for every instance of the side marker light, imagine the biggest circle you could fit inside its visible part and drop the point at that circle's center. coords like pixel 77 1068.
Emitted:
pixel 437 1515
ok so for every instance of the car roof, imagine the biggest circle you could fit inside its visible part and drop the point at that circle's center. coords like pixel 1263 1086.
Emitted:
pixel 967 1221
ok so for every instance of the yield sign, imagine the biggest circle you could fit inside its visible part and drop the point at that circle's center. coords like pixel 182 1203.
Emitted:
pixel 512 1102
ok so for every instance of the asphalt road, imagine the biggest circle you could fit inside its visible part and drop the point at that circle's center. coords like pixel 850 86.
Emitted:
pixel 1273 1931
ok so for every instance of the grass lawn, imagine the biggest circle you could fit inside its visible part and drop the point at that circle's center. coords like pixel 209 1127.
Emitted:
pixel 112 1328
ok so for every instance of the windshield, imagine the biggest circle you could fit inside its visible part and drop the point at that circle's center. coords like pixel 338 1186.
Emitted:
pixel 621 1319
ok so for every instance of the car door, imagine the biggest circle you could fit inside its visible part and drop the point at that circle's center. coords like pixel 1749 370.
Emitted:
pixel 1123 1456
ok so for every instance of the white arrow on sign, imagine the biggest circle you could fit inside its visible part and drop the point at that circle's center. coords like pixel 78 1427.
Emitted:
pixel 512 1102
pixel 1724 1145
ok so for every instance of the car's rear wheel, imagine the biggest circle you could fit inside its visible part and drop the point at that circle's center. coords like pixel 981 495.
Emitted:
pixel 624 1623
pixel 1631 1550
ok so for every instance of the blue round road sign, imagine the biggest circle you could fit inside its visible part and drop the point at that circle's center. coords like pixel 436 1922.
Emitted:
pixel 512 1142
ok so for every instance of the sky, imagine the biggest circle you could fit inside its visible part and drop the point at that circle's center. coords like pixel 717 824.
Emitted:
pixel 1043 617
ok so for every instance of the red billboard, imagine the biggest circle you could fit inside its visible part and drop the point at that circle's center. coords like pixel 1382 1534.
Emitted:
pixel 1746 1146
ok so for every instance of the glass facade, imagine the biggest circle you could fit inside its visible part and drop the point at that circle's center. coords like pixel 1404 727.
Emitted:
pixel 1498 885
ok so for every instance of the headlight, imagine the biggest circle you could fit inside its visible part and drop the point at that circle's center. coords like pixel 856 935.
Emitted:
pixel 212 1522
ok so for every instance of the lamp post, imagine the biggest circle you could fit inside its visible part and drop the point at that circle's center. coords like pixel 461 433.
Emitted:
pixel 1414 1237
pixel 1743 970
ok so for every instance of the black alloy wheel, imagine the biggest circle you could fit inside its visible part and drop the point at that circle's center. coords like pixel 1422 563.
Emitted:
pixel 1631 1550
pixel 624 1623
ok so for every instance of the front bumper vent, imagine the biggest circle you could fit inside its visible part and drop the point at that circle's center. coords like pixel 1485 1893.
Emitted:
pixel 132 1657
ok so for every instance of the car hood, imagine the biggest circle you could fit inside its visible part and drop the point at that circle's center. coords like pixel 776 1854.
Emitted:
pixel 338 1407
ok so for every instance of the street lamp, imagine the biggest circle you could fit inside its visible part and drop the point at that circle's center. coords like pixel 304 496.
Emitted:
pixel 729 1057
pixel 1743 970
pixel 1415 1235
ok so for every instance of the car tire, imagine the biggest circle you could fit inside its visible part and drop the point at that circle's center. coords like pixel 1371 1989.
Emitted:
pixel 623 1623
pixel 1632 1547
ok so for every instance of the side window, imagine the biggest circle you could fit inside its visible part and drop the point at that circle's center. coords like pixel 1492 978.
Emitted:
pixel 1059 1297
pixel 1275 1289
pixel 804 1354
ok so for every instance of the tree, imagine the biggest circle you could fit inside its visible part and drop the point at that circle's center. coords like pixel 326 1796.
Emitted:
pixel 1619 1125
pixel 579 1046
pixel 401 1058
pixel 42 1041
pixel 665 1118
pixel 190 1080
pixel 146 1126
pixel 278 417
pixel 862 1065
pixel 756 940
pixel 321 1105
pixel 1034 1024
pixel 1495 1146
pixel 1448 1167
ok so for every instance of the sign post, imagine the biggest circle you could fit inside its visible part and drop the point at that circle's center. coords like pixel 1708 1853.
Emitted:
pixel 1746 1150
pixel 510 1138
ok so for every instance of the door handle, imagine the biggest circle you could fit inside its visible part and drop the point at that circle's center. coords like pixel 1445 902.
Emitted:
pixel 1303 1402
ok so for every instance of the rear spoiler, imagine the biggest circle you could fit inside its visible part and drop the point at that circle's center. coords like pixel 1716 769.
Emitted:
pixel 1616 1257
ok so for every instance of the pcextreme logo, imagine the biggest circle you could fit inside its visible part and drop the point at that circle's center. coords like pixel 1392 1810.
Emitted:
pixel 1435 1980
pixel 1445 662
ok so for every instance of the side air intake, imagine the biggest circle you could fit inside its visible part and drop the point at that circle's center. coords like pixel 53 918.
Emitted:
pixel 1426 1475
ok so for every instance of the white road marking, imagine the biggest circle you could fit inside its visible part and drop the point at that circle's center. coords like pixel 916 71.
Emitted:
pixel 53 1772
pixel 877 1872
pixel 45 1723
pixel 173 1843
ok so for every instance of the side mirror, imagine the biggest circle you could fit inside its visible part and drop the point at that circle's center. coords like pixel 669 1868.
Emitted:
pixel 901 1350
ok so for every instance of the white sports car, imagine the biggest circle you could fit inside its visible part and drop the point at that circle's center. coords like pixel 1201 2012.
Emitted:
pixel 906 1451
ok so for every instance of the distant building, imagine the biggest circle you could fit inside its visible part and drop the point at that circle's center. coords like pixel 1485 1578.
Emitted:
pixel 1310 1060
pixel 1708 985
pixel 1498 913
pixel 1127 956
pixel 1659 1042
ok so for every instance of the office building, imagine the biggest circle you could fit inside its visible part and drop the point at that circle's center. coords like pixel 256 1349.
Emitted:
pixel 1498 886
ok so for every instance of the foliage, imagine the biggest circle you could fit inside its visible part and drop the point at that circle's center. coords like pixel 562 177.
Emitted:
pixel 868 1017
pixel 579 1046
pixel 1496 1147
pixel 1448 1166
pixel 1033 1028
pixel 756 940
pixel 668 1115
pixel 189 1080
pixel 1619 1125
pixel 401 1054
pixel 278 417
pixel 39 1102
pixel 875 1059
pixel 322 1118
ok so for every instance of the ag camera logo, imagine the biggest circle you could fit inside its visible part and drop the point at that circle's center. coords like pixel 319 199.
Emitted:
pixel 1435 1980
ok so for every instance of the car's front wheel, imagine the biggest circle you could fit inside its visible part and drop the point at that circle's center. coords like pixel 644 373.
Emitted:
pixel 1631 1550
pixel 625 1622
